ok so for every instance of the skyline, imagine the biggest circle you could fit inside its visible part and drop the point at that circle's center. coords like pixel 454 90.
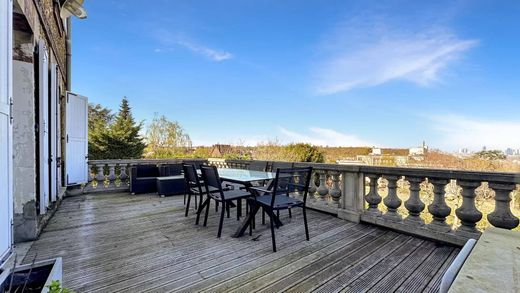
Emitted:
pixel 352 74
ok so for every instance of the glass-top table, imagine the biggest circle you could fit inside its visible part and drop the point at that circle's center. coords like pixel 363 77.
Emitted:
pixel 244 176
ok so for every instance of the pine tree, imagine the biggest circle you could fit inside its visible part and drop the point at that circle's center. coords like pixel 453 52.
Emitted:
pixel 124 140
pixel 99 120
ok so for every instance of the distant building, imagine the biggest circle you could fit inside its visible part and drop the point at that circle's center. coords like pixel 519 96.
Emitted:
pixel 220 150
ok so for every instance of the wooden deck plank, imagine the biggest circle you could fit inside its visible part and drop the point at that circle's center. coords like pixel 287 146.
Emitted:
pixel 381 269
pixel 129 243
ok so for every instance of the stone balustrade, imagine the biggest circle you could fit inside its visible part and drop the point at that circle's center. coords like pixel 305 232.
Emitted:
pixel 446 205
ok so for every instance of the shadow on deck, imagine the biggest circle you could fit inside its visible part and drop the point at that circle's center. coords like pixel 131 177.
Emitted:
pixel 121 242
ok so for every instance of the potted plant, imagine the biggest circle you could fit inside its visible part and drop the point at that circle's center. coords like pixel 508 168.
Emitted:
pixel 42 276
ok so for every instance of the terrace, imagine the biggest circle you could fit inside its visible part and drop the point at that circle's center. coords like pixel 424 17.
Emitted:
pixel 113 241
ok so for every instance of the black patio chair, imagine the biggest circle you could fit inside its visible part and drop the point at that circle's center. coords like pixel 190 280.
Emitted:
pixel 193 185
pixel 214 191
pixel 288 182
pixel 257 166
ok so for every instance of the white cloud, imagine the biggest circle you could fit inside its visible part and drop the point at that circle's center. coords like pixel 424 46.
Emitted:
pixel 324 137
pixel 169 39
pixel 459 131
pixel 363 56
pixel 212 54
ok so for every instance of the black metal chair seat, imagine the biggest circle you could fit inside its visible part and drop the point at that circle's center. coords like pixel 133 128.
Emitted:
pixel 231 194
pixel 280 202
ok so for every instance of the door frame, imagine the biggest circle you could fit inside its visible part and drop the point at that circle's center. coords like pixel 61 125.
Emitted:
pixel 6 9
pixel 43 127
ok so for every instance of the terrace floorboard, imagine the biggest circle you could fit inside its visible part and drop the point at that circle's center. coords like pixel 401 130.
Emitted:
pixel 136 243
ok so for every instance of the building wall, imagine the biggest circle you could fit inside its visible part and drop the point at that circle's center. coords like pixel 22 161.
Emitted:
pixel 34 21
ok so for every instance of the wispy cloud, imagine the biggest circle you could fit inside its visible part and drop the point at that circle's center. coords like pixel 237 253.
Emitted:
pixel 168 39
pixel 361 55
pixel 324 137
pixel 459 131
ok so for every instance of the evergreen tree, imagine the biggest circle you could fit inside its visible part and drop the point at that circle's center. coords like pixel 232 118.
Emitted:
pixel 99 120
pixel 124 140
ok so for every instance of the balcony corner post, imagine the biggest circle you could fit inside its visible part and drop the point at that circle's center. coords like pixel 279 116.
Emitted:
pixel 352 199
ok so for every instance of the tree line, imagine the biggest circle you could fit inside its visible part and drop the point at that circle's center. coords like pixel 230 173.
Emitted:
pixel 120 136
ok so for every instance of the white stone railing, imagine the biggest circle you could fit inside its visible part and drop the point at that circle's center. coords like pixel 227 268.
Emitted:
pixel 446 205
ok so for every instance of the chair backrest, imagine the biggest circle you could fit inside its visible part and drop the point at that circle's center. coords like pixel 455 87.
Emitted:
pixel 292 181
pixel 191 178
pixel 281 165
pixel 212 181
pixel 197 163
pixel 257 166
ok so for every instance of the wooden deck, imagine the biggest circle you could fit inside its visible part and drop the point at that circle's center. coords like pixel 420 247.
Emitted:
pixel 134 243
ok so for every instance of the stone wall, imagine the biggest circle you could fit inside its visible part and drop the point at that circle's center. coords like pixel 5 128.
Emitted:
pixel 34 21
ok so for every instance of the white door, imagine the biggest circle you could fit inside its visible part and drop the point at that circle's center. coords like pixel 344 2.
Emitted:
pixel 53 133
pixel 6 203
pixel 43 126
pixel 77 139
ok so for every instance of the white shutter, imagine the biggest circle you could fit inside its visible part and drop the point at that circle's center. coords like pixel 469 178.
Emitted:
pixel 77 139
pixel 53 133
pixel 6 202
pixel 43 126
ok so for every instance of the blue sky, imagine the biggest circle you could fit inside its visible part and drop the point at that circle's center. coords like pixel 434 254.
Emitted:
pixel 376 73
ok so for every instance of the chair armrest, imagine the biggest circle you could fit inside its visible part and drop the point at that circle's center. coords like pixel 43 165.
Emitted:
pixel 260 189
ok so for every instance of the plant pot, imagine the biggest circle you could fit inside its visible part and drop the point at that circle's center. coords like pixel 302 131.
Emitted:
pixel 41 275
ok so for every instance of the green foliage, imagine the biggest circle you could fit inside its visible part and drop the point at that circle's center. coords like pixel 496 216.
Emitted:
pixel 491 155
pixel 99 120
pixel 166 139
pixel 55 287
pixel 237 156
pixel 114 136
pixel 303 152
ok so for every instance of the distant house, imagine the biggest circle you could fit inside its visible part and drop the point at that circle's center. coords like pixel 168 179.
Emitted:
pixel 220 150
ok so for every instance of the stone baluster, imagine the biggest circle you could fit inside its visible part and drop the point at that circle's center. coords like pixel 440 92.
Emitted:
pixel 312 185
pixel 323 190
pixel 414 205
pixel 438 208
pixel 372 197
pixel 392 201
pixel 502 217
pixel 122 174
pixel 467 212
pixel 111 175
pixel 335 191
pixel 90 173
pixel 100 175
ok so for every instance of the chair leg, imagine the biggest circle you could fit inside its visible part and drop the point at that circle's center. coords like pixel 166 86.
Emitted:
pixel 207 213
pixel 263 216
pixel 188 205
pixel 305 223
pixel 216 207
pixel 223 210
pixel 278 213
pixel 271 220
pixel 200 210
pixel 227 205
pixel 195 198
pixel 290 213
pixel 239 209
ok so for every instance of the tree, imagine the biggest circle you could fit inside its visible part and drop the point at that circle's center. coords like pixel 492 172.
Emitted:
pixel 491 155
pixel 124 140
pixel 166 139
pixel 99 121
pixel 304 152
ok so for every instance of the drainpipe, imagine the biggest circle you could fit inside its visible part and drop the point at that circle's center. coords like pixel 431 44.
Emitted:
pixel 69 53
